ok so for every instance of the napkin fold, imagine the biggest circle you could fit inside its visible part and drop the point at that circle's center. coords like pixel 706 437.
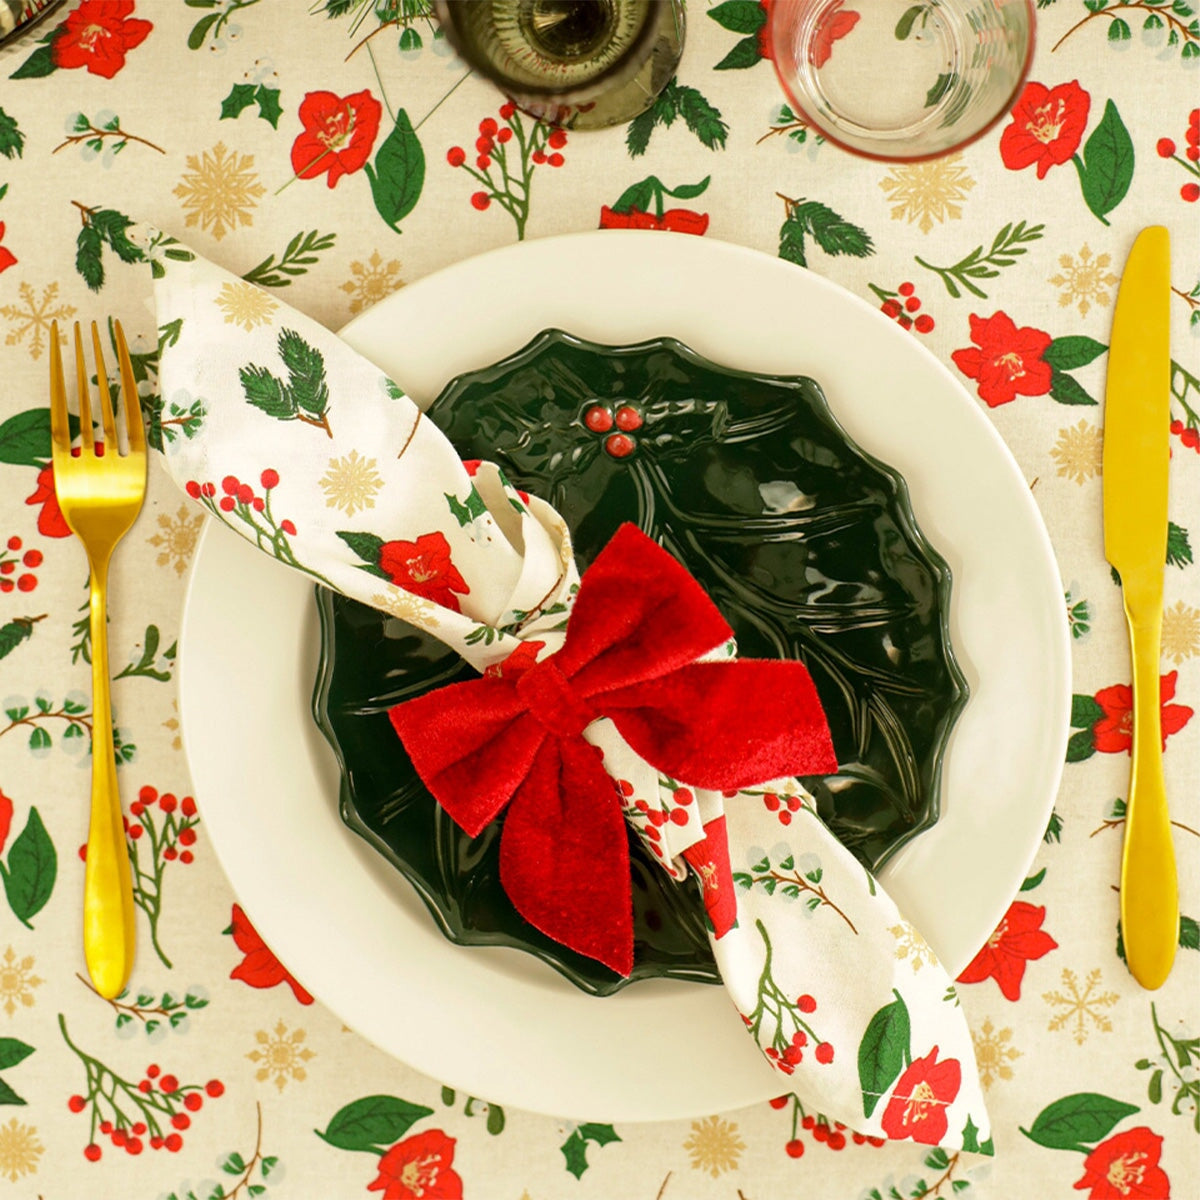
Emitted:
pixel 303 447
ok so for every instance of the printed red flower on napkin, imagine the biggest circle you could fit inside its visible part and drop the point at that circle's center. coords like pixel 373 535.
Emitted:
pixel 1006 361
pixel 918 1105
pixel 260 968
pixel 1113 733
pixel 338 136
pixel 98 35
pixel 1126 1166
pixel 1018 938
pixel 1047 127
pixel 50 522
pixel 419 1168
pixel 424 568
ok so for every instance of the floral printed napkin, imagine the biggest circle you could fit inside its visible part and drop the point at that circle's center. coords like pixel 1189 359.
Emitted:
pixel 806 941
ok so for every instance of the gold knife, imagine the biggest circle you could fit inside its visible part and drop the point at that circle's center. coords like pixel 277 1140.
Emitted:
pixel 1136 460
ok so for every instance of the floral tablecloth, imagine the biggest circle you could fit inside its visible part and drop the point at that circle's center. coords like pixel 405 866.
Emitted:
pixel 333 151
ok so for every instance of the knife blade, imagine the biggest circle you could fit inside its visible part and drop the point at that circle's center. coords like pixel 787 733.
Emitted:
pixel 1136 459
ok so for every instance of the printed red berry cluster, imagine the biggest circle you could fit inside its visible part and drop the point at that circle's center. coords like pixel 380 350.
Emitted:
pixel 656 817
pixel 177 830
pixel 901 306
pixel 9 562
pixel 782 806
pixel 1188 434
pixel 242 501
pixel 1190 160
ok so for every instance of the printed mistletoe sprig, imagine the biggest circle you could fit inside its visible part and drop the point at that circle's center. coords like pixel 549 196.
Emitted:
pixel 832 232
pixel 1082 1122
pixel 985 262
pixel 574 1149
pixel 156 1014
pixel 243 95
pixel 12 140
pixel 831 1134
pixel 157 1108
pixel 73 711
pixel 213 25
pixel 305 395
pixel 404 15
pixel 182 416
pixel 795 128
pixel 790 881
pixel 1178 1061
pixel 12 556
pixel 299 254
pixel 422 1164
pixel 249 1177
pixel 16 631
pixel 1079 615
pixel 785 1019
pixel 1155 15
pixel 144 660
pixel 1116 818
pixel 919 1189
pixel 674 101
pixel 100 134
pixel 474 1107
pixel 1190 163
pixel 1104 722
pixel 31 867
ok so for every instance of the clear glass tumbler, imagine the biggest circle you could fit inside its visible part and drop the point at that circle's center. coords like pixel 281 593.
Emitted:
pixel 894 79
pixel 583 64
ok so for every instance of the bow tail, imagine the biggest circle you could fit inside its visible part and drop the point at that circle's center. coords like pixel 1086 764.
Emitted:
pixel 564 855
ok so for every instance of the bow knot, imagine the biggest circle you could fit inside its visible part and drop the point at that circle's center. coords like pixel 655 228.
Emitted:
pixel 515 738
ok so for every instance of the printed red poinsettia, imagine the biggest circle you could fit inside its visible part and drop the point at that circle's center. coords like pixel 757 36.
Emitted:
pixel 1005 361
pixel 7 257
pixel 338 135
pixel 1017 940
pixel 260 968
pixel 419 1168
pixel 50 522
pixel 1047 127
pixel 97 36
pixel 918 1105
pixel 424 568
pixel 1113 732
pixel 834 25
pixel 1125 1167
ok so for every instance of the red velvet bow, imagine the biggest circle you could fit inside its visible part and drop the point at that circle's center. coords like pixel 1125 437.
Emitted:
pixel 639 623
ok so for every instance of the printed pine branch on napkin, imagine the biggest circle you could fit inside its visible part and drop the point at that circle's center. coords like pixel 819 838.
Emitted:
pixel 304 448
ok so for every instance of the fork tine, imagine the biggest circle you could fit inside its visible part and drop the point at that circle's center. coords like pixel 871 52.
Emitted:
pixel 60 427
pixel 106 407
pixel 129 392
pixel 85 405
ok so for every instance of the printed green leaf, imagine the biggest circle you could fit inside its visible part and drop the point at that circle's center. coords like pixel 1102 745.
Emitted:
pixel 88 247
pixel 1179 547
pixel 372 1124
pixel 883 1052
pixel 1107 165
pixel 1053 828
pixel 111 226
pixel 267 392
pixel 31 870
pixel 739 16
pixel 1080 746
pixel 1077 1122
pixel 791 240
pixel 40 63
pixel 1189 933
pixel 306 370
pixel 1085 711
pixel 269 108
pixel 1033 881
pixel 12 634
pixel 970 1136
pixel 1068 390
pixel 689 191
pixel 200 29
pixel 398 173
pixel 12 1052
pixel 702 118
pixel 300 253
pixel 25 438
pixel 495 1120
pixel 8 1096
pixel 12 140
pixel 574 1149
pixel 239 99
pixel 745 53
pixel 638 195
pixel 365 545
pixel 1071 353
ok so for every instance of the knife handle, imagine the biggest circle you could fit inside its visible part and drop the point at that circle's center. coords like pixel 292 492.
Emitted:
pixel 1149 887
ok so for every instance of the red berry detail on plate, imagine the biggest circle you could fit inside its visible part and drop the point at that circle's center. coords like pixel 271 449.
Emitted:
pixel 152 1071
pixel 230 484
pixel 598 419
pixel 799 1038
pixel 793 803
pixel 619 445
pixel 808 1121
pixel 186 857
pixel 505 135
pixel 135 832
pixel 106 1128
pixel 192 488
pixel 890 308
pixel 483 162
pixel 8 567
pixel 538 156
pixel 556 159
pixel 795 1148
pixel 6 585
pixel 785 818
pixel 488 126
pixel 806 1003
pixel 507 110
pixel 771 801
pixel 837 1141
pixel 1193 153
pixel 821 1132
pixel 139 1128
pixel 170 853
pixel 148 794
pixel 187 837
pixel 145 1085
pixel 1165 148
pixel 628 418
pixel 912 304
pixel 227 504
pixel 134 1146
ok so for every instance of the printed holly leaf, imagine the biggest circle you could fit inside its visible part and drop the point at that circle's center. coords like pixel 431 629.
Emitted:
pixel 884 1050
pixel 239 99
pixel 372 1124
pixel 12 140
pixel 465 514
pixel 306 370
pixel 1107 164
pixel 1077 1122
pixel 31 870
pixel 398 173
pixel 25 439
pixel 1071 353
pixel 267 392
pixel 574 1149
pixel 269 108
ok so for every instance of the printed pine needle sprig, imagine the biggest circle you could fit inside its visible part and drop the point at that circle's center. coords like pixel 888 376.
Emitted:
pixel 830 230
pixel 986 262
pixel 676 100
pixel 302 252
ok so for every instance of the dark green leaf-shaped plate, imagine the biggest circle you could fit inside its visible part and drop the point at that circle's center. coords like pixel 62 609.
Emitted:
pixel 807 545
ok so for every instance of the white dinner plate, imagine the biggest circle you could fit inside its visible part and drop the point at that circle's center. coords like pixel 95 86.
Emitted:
pixel 496 1022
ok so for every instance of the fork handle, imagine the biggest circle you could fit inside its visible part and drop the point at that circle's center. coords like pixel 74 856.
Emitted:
pixel 108 917
pixel 1149 885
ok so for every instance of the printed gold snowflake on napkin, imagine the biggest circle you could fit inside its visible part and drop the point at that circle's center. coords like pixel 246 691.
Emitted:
pixel 993 1054
pixel 1079 451
pixel 176 538
pixel 404 606
pixel 17 981
pixel 714 1146
pixel 245 305
pixel 928 192
pixel 33 316
pixel 1181 632
pixel 1084 281
pixel 1080 1006
pixel 19 1150
pixel 350 483
pixel 219 190
pixel 281 1055
pixel 911 946
pixel 372 281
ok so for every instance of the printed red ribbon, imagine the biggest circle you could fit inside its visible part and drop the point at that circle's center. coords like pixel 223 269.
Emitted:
pixel 515 735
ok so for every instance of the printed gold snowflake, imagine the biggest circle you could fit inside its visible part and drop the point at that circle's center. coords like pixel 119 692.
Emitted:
pixel 17 981
pixel 172 724
pixel 911 945
pixel 1080 1006
pixel 219 190
pixel 350 483
pixel 372 281
pixel 282 1055
pixel 1079 451
pixel 993 1054
pixel 245 305
pixel 928 192
pixel 33 316
pixel 714 1146
pixel 1181 632
pixel 1084 281
pixel 176 538
pixel 19 1150
pixel 416 610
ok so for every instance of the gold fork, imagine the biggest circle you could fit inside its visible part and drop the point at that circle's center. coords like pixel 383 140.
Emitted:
pixel 100 493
